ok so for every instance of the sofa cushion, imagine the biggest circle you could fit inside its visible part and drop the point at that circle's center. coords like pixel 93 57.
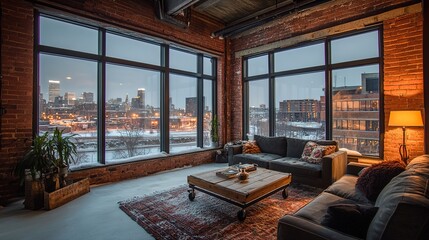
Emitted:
pixel 316 210
pixel 353 219
pixel 419 165
pixel 251 147
pixel 295 147
pixel 345 187
pixel 295 166
pixel 403 202
pixel 262 159
pixel 376 177
pixel 274 145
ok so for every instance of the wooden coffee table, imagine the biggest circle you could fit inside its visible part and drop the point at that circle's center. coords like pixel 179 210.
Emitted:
pixel 260 184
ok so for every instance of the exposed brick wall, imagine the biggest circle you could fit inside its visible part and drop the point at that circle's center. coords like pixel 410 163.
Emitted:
pixel 403 80
pixel 16 88
pixel 142 168
pixel 17 83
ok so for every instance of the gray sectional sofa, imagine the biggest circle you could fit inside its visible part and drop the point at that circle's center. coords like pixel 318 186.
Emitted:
pixel 402 208
pixel 283 154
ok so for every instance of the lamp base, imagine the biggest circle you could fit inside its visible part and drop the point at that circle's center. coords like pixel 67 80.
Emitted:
pixel 404 153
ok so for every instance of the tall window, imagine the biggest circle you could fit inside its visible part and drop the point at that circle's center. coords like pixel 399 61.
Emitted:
pixel 294 86
pixel 113 99
pixel 356 92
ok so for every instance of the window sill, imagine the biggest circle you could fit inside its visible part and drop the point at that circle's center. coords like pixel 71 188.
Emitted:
pixel 161 155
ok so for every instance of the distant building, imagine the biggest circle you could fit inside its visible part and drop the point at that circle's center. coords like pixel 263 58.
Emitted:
pixel 192 106
pixel 141 98
pixel 59 101
pixel 135 102
pixel 70 98
pixel 356 115
pixel 88 97
pixel 53 90
pixel 303 110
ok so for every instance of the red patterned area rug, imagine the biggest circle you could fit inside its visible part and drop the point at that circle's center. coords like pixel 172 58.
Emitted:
pixel 171 215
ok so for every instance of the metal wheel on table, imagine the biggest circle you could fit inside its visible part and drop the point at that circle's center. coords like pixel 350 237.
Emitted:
pixel 241 215
pixel 191 195
pixel 285 193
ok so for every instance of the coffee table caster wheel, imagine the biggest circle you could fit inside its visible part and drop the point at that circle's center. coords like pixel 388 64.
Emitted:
pixel 241 215
pixel 191 195
pixel 285 193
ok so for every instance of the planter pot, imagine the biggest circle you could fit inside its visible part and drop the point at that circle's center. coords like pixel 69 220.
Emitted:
pixel 52 182
pixel 214 144
pixel 66 194
pixel 63 173
pixel 33 194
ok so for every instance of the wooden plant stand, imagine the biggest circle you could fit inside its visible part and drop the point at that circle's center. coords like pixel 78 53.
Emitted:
pixel 66 194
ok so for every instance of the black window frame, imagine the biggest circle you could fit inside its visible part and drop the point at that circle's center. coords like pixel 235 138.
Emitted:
pixel 102 59
pixel 327 68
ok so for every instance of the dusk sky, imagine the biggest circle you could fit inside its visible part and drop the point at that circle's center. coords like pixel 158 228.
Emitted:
pixel 80 76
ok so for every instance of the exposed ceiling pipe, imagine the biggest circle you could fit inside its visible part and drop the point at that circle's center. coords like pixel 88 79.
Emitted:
pixel 174 7
pixel 159 10
pixel 265 18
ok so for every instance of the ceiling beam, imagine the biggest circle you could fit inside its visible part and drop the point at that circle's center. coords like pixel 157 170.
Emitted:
pixel 265 18
pixel 261 12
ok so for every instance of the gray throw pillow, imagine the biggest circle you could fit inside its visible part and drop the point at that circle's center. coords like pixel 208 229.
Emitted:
pixel 274 145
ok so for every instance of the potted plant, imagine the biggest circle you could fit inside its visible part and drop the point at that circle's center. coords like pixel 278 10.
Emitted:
pixel 214 131
pixel 31 170
pixel 62 152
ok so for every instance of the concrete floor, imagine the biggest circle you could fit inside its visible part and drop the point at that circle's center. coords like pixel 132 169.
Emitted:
pixel 95 215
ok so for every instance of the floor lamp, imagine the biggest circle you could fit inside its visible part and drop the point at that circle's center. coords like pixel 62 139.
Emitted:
pixel 405 119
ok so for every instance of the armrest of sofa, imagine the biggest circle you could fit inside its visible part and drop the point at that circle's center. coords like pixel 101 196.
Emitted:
pixel 353 168
pixel 291 227
pixel 334 166
pixel 233 150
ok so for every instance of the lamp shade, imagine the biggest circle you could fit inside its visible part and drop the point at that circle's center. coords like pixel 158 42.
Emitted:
pixel 405 119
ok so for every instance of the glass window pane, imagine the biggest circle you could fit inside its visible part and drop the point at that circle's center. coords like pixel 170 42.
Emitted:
pixel 302 57
pixel 65 35
pixel 208 111
pixel 257 65
pixel 183 60
pixel 132 113
pixel 300 104
pixel 258 107
pixel 208 66
pixel 358 85
pixel 132 49
pixel 183 113
pixel 68 100
pixel 356 47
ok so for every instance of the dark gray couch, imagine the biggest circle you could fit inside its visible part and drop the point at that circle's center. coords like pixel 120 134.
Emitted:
pixel 283 154
pixel 403 208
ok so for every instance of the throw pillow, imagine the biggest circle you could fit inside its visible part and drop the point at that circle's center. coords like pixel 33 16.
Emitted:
pixel 251 147
pixel 376 177
pixel 308 149
pixel 329 149
pixel 351 219
pixel 313 152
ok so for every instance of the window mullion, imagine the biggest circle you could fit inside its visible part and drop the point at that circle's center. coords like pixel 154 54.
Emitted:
pixel 200 101
pixel 271 95
pixel 101 116
pixel 165 100
pixel 328 91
